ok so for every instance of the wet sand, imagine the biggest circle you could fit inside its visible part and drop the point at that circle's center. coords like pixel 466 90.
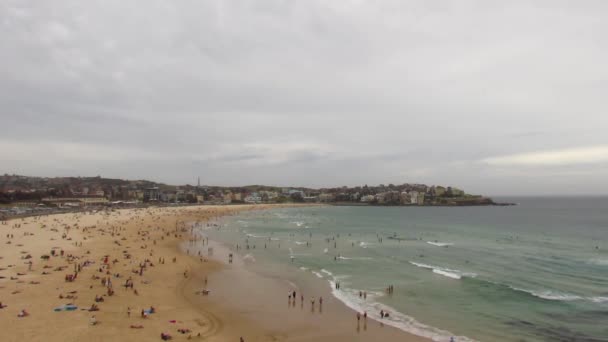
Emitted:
pixel 240 302
pixel 263 300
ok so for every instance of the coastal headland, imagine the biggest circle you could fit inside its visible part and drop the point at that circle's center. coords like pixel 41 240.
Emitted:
pixel 25 196
pixel 131 275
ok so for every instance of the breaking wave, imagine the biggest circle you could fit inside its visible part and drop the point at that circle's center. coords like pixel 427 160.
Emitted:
pixel 440 244
pixel 350 297
pixel 353 258
pixel 446 272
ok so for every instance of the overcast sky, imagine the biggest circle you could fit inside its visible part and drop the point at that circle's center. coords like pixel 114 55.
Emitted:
pixel 496 97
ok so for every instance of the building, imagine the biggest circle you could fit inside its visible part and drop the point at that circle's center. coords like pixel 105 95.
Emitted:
pixel 253 198
pixel 227 198
pixel 326 197
pixel 413 197
pixel 404 198
pixel 151 194
pixel 75 201
pixel 421 198
pixel 311 199
pixel 368 198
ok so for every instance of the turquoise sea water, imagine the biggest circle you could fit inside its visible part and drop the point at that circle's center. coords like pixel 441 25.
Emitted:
pixel 537 271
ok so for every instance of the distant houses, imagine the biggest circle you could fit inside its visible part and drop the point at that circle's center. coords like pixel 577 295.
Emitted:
pixel 85 191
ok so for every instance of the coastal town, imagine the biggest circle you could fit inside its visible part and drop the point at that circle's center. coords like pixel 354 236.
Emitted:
pixel 22 194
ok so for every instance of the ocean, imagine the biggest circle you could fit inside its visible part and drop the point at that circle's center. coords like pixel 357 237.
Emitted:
pixel 537 271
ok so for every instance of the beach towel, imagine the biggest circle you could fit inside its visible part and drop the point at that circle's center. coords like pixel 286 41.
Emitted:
pixel 67 307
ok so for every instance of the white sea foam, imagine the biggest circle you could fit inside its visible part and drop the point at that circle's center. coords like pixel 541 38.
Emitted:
pixel 364 244
pixel 556 295
pixel 422 265
pixel 440 244
pixel 598 261
pixel 549 294
pixel 327 272
pixel 447 272
pixel 300 242
pixel 353 258
pixel 319 275
pixel 304 268
pixel 257 236
pixel 249 257
pixel 599 299
pixel 350 297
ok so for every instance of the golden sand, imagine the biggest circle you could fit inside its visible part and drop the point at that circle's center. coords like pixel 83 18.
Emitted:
pixel 134 241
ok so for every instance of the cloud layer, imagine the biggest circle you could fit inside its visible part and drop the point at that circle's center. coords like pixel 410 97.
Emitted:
pixel 311 93
pixel 570 156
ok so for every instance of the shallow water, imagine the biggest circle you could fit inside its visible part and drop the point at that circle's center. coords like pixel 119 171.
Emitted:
pixel 533 272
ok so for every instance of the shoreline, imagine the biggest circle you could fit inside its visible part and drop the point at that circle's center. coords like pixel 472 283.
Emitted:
pixel 151 237
pixel 336 323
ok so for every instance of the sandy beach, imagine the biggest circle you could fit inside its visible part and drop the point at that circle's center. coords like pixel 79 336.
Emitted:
pixel 123 275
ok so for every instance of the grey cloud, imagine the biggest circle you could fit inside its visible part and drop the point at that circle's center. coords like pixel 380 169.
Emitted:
pixel 305 92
